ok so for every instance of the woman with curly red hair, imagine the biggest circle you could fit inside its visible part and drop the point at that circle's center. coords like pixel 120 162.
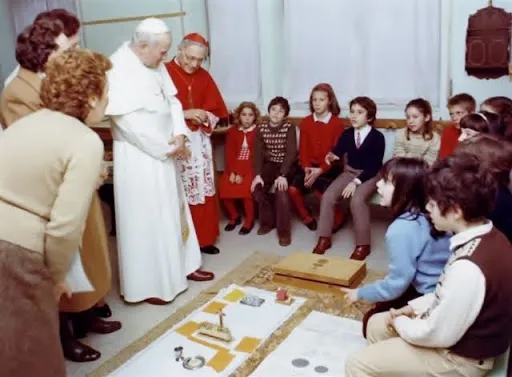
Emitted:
pixel 50 164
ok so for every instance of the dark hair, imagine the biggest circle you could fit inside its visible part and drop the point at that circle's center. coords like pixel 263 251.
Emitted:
pixel 241 107
pixel 70 23
pixel 424 107
pixel 503 107
pixel 494 153
pixel 465 100
pixel 281 101
pixel 36 43
pixel 483 122
pixel 369 105
pixel 408 177
pixel 461 181
pixel 334 106
pixel 72 79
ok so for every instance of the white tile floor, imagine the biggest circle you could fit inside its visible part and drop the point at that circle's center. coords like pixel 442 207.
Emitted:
pixel 138 319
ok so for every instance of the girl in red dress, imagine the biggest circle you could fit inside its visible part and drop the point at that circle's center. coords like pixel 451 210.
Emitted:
pixel 236 181
pixel 318 135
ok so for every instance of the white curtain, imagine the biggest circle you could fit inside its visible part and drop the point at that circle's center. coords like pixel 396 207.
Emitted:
pixel 23 12
pixel 387 50
pixel 235 52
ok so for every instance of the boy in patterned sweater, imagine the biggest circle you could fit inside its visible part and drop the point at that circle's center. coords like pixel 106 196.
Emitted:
pixel 275 157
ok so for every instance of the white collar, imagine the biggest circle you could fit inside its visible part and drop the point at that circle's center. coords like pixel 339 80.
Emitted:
pixel 324 119
pixel 365 130
pixel 464 237
pixel 246 130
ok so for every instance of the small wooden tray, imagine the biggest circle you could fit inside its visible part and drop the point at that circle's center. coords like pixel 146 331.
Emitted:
pixel 319 272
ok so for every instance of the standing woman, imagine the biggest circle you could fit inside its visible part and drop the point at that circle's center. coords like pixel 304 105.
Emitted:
pixel 36 47
pixel 51 33
pixel 50 164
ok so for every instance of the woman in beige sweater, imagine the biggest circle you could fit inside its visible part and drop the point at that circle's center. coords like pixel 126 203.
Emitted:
pixel 51 34
pixel 50 164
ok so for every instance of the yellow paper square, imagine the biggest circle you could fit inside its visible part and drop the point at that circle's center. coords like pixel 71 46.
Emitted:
pixel 248 344
pixel 214 307
pixel 220 361
pixel 188 328
pixel 235 295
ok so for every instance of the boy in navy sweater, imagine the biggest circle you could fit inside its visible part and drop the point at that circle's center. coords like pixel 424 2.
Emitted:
pixel 361 149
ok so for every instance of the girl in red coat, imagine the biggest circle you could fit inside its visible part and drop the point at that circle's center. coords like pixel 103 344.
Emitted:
pixel 238 174
pixel 318 135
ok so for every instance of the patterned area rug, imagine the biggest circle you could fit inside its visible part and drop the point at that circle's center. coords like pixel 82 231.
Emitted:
pixel 255 271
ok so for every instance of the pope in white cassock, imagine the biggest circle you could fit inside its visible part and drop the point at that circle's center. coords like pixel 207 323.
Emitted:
pixel 157 244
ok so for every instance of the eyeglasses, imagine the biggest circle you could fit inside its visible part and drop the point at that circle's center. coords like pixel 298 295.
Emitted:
pixel 193 59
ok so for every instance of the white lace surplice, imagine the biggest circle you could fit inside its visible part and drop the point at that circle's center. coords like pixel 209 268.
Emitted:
pixel 197 172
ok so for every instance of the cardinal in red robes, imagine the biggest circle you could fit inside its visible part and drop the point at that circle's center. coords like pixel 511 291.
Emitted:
pixel 203 107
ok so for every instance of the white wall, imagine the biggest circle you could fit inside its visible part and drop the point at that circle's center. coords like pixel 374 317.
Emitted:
pixel 7 43
pixel 106 38
pixel 461 82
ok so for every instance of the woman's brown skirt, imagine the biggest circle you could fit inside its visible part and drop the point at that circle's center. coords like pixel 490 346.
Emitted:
pixel 29 329
pixel 95 260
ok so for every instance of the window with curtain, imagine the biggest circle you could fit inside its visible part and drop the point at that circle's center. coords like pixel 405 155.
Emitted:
pixel 235 54
pixel 387 50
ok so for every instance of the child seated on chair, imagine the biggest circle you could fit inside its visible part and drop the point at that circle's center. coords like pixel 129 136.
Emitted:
pixel 360 149
pixel 416 255
pixel 418 139
pixel 275 155
pixel 483 122
pixel 235 183
pixel 460 328
pixel 459 106
pixel 319 132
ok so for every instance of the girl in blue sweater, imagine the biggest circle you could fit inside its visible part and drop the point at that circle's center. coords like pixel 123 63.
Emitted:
pixel 416 256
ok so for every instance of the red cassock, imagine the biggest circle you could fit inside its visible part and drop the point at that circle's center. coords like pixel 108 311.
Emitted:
pixel 199 91
pixel 238 160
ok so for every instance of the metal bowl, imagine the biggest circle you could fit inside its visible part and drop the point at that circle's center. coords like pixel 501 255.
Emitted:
pixel 193 363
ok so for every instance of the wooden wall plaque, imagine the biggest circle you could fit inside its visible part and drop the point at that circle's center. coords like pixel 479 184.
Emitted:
pixel 488 43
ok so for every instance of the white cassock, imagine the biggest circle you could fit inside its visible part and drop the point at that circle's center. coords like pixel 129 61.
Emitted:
pixel 156 240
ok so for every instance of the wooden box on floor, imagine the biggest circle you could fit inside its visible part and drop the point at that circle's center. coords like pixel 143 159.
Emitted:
pixel 319 272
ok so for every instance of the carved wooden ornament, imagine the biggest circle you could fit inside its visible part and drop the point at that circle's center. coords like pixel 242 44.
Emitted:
pixel 488 43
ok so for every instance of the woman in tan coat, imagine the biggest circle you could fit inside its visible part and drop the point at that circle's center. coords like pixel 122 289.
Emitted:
pixel 52 33
pixel 50 163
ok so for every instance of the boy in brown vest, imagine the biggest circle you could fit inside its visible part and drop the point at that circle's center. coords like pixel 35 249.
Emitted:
pixel 461 328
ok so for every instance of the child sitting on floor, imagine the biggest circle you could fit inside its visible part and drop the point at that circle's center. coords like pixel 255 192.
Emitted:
pixel 236 181
pixel 360 150
pixel 275 155
pixel 319 132
pixel 416 258
pixel 461 327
